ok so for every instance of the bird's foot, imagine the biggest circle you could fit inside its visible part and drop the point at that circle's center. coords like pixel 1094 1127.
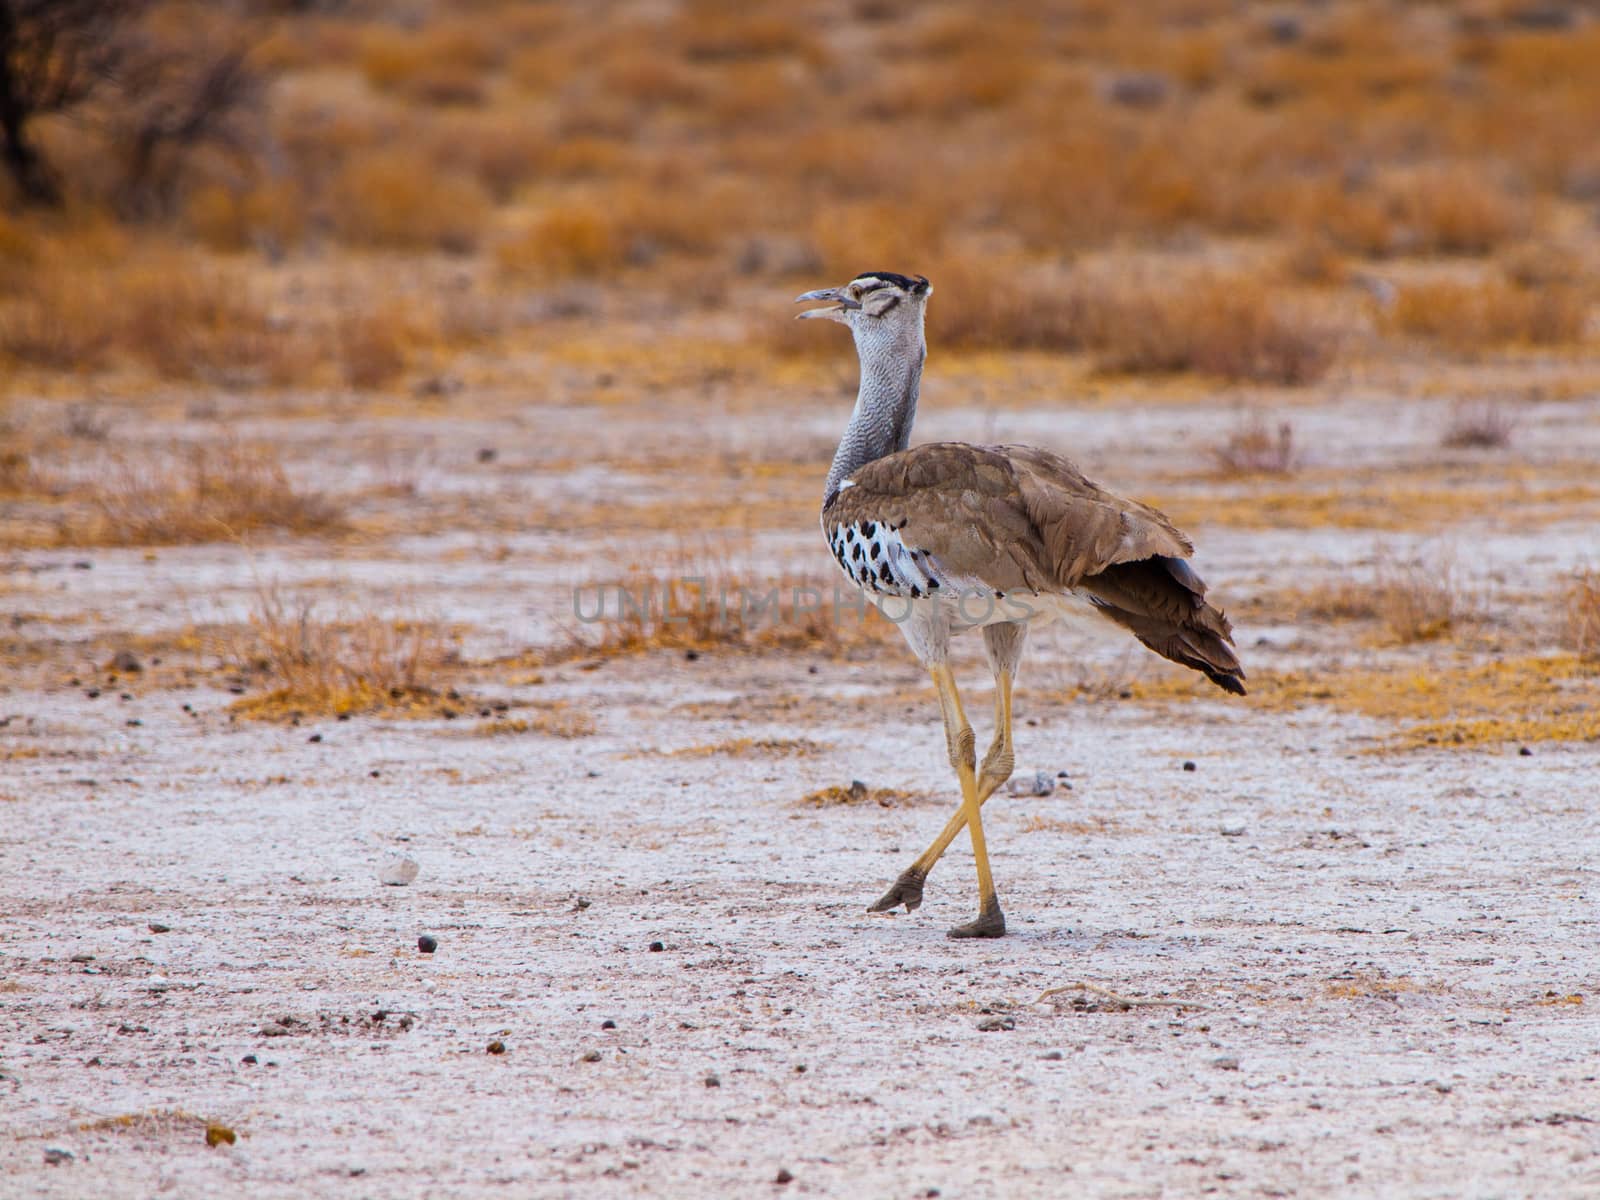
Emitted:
pixel 907 890
pixel 991 923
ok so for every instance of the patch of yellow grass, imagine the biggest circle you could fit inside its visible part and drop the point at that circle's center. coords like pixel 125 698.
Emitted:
pixel 312 667
pixel 558 720
pixel 859 793
pixel 1514 700
pixel 212 493
pixel 1363 985
pixel 753 748
pixel 1489 314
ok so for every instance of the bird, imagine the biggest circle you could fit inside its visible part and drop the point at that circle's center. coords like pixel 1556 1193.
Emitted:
pixel 947 537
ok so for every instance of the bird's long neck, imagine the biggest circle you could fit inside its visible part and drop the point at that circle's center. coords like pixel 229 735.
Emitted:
pixel 886 407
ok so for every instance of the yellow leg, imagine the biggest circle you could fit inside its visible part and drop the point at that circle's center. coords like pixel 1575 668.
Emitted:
pixel 997 767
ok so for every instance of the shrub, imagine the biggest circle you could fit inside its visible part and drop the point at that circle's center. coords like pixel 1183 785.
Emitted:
pixel 1233 327
pixel 564 242
pixel 1490 312
pixel 396 199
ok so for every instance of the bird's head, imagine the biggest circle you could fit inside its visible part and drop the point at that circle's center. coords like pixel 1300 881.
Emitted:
pixel 880 307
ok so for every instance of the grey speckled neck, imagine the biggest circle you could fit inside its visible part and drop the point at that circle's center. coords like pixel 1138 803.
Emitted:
pixel 886 406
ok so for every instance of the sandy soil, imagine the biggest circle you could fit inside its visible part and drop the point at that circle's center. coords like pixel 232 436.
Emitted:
pixel 1376 971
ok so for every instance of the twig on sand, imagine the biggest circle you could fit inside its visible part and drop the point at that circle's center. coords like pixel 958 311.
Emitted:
pixel 1126 1001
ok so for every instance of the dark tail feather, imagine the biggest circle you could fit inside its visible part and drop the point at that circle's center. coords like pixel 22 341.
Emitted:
pixel 1161 601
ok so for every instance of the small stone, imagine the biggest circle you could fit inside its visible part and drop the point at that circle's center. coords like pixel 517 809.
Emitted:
pixel 273 1029
pixel 691 655
pixel 487 454
pixel 157 927
pixel 592 1056
pixel 126 661
pixel 427 944
pixel 1052 1056
pixel 712 1081
pixel 1188 765
pixel 1525 752
pixel 996 1024
pixel 1225 1062
pixel 54 1156
pixel 1231 831
pixel 216 1135
pixel 399 872
pixel 497 1047
pixel 250 1059
pixel 608 1023
pixel 373 774
pixel 783 1176
pixel 1040 783
pixel 315 737
pixel 657 947
pixel 82 958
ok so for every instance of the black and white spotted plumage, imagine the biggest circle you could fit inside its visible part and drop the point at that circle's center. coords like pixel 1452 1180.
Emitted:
pixel 877 560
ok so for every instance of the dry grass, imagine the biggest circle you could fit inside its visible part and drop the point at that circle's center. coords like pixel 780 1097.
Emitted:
pixel 746 747
pixel 558 720
pixel 702 603
pixel 1494 312
pixel 1479 425
pixel 399 200
pixel 1256 448
pixel 202 494
pixel 1580 615
pixel 1421 600
pixel 1460 704
pixel 564 242
pixel 858 793
pixel 305 666
pixel 1232 327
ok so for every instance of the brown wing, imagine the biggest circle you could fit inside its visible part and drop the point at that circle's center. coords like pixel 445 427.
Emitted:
pixel 1018 518
pixel 1008 517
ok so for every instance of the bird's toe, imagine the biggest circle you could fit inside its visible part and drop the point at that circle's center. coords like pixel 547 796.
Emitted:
pixel 991 923
pixel 906 890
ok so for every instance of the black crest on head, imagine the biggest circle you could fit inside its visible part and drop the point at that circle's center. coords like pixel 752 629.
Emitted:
pixel 916 286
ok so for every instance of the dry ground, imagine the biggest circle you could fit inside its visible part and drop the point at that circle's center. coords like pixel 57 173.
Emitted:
pixel 312 424
pixel 1376 951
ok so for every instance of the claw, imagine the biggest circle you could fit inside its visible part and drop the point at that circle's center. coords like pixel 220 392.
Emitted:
pixel 906 890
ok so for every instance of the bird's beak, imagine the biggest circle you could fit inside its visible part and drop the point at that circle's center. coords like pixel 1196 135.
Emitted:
pixel 835 312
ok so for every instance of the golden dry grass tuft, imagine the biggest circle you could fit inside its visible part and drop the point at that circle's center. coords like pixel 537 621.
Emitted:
pixel 858 793
pixel 558 719
pixel 1580 615
pixel 1233 327
pixel 564 242
pixel 1447 704
pixel 306 666
pixel 399 200
pixel 1468 316
pixel 1257 448
pixel 750 747
pixel 204 493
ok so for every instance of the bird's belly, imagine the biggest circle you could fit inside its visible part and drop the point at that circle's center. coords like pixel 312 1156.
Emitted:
pixel 962 611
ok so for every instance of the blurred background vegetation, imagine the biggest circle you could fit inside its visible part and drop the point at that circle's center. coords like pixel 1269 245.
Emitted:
pixel 330 192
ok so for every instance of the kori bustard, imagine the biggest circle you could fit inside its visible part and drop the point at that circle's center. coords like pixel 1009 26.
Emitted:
pixel 947 537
